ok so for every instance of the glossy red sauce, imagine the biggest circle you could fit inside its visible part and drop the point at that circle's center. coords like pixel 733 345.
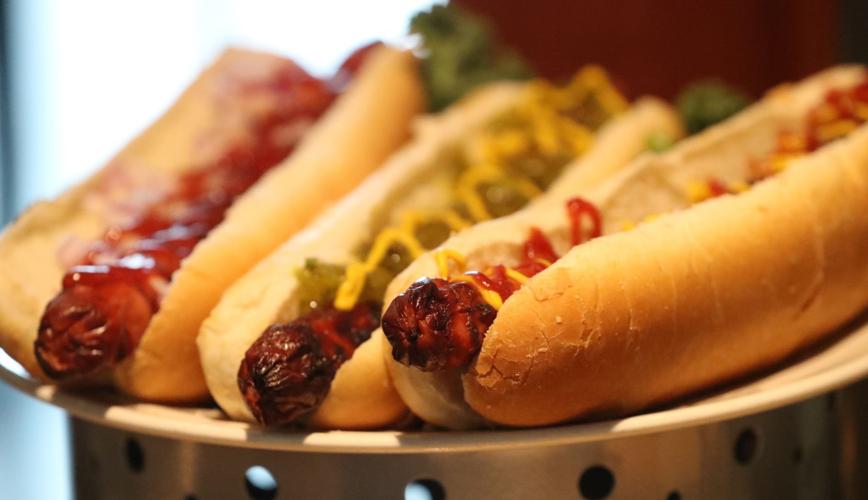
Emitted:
pixel 538 252
pixel 147 251
pixel 496 280
pixel 537 246
pixel 99 275
pixel 332 326
pixel 717 188
pixel 579 210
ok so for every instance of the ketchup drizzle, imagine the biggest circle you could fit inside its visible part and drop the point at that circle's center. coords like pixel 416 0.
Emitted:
pixel 841 111
pixel 538 253
pixel 439 324
pixel 144 254
pixel 849 105
pixel 578 210
pixel 497 281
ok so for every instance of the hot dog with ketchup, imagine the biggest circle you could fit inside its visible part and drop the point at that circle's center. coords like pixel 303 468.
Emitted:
pixel 289 343
pixel 547 316
pixel 111 281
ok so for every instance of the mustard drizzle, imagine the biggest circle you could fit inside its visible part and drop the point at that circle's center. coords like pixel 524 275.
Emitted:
pixel 543 128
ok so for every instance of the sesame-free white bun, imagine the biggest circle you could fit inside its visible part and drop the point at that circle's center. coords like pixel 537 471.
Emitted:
pixel 368 121
pixel 573 342
pixel 686 302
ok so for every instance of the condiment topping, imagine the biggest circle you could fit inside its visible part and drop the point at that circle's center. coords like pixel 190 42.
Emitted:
pixel 497 170
pixel 440 323
pixel 537 255
pixel 507 164
pixel 712 188
pixel 81 327
pixel 840 112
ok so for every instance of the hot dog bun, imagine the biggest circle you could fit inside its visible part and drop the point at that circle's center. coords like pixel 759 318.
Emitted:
pixel 361 395
pixel 651 186
pixel 369 120
pixel 348 143
pixel 687 302
pixel 259 298
pixel 31 269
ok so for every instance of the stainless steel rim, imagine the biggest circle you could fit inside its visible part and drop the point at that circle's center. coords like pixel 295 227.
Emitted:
pixel 791 452
pixel 834 367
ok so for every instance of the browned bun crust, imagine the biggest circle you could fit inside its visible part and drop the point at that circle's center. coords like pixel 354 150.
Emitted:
pixel 354 137
pixel 650 186
pixel 365 124
pixel 437 397
pixel 689 301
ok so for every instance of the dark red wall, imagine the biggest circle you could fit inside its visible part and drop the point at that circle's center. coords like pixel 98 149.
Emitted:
pixel 656 46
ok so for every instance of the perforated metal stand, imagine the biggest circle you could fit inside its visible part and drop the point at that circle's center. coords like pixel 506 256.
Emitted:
pixel 815 449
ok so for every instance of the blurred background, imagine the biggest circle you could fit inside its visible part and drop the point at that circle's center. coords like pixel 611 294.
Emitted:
pixel 79 79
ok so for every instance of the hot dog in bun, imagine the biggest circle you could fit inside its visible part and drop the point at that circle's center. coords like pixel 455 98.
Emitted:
pixel 567 310
pixel 109 282
pixel 289 343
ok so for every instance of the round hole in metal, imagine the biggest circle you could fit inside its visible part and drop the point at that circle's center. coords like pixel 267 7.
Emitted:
pixel 260 483
pixel 135 455
pixel 674 495
pixel 746 445
pixel 596 482
pixel 424 489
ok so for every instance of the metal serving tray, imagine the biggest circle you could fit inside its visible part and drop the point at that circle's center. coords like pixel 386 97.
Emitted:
pixel 794 433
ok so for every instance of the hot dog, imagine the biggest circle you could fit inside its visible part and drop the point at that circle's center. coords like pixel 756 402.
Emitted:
pixel 524 321
pixel 289 343
pixel 110 282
